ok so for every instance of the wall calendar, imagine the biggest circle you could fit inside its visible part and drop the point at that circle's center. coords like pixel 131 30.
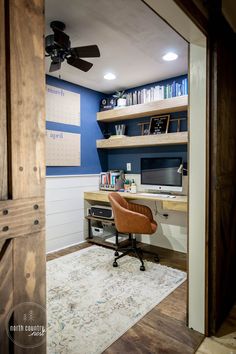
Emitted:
pixel 62 149
pixel 62 106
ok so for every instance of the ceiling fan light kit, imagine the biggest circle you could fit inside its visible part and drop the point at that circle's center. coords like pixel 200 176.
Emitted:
pixel 58 48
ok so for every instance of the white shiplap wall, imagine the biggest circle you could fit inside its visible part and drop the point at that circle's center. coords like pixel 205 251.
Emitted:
pixel 65 209
pixel 65 215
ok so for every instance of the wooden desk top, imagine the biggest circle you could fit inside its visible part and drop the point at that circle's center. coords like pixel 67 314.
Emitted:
pixel 180 203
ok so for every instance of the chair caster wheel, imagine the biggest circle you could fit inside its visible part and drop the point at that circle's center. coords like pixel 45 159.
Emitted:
pixel 142 268
pixel 157 259
pixel 116 254
pixel 115 264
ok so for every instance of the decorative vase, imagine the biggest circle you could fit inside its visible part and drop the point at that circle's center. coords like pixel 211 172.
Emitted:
pixel 121 102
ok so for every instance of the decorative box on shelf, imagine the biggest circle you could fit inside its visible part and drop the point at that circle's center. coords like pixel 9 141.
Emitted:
pixel 111 187
pixel 111 180
pixel 108 187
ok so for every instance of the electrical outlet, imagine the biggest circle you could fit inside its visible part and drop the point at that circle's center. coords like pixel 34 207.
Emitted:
pixel 128 166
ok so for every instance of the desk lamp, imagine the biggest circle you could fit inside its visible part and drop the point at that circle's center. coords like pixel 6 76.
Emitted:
pixel 181 169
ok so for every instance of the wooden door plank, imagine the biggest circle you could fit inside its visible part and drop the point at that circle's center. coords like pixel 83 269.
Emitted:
pixel 3 130
pixel 21 217
pixel 26 135
pixel 27 97
pixel 2 243
pixel 6 292
pixel 29 259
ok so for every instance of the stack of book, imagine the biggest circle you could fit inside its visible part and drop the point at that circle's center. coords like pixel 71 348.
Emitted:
pixel 157 93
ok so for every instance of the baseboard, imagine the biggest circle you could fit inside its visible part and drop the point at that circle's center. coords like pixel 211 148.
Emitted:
pixel 64 248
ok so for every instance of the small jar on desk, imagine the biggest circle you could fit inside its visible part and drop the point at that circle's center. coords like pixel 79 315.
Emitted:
pixel 133 188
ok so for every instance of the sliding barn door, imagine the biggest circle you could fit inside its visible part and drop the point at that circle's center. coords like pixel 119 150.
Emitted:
pixel 22 172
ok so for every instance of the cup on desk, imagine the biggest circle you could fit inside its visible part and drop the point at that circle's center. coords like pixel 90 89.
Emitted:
pixel 133 188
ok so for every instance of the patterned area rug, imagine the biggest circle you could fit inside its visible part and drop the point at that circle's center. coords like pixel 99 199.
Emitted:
pixel 91 304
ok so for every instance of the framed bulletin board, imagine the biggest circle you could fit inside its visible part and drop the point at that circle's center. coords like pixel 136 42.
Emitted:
pixel 159 124
pixel 62 149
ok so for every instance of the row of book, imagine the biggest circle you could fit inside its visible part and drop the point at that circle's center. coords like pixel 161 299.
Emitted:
pixel 157 93
pixel 109 177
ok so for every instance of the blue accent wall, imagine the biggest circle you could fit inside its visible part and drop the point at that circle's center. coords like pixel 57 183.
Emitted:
pixel 95 161
pixel 118 158
pixel 133 129
pixel 89 129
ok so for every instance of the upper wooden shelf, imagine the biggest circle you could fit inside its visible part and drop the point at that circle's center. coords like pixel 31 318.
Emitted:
pixel 175 104
pixel 144 140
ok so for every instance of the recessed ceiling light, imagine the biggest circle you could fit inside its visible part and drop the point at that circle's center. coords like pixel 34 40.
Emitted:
pixel 170 56
pixel 109 76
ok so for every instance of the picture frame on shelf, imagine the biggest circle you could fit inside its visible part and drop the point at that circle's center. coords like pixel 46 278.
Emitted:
pixel 144 128
pixel 159 124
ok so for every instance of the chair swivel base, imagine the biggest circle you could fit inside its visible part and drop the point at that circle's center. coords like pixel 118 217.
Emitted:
pixel 155 255
pixel 136 251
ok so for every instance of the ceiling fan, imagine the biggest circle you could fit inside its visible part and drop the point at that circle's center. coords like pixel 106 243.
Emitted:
pixel 58 47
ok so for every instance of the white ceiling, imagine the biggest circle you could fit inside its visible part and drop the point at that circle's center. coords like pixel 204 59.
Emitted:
pixel 131 38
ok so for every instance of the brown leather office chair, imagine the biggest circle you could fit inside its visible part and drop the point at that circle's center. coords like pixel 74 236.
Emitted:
pixel 131 219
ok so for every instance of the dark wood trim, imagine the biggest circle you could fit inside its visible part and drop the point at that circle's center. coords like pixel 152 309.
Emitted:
pixel 222 190
pixel 194 13
pixel 187 285
pixel 207 195
pixel 221 159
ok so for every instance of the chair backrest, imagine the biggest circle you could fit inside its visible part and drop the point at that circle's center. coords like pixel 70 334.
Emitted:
pixel 117 202
pixel 116 198
pixel 130 217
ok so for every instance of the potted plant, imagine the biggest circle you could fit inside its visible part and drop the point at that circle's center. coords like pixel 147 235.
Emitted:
pixel 121 98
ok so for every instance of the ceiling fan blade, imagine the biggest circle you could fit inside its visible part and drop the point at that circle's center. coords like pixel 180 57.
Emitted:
pixel 88 51
pixel 55 66
pixel 79 63
pixel 61 39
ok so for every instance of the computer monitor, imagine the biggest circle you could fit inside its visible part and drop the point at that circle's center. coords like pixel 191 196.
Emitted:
pixel 160 173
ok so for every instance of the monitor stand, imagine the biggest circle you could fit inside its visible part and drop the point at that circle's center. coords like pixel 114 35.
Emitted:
pixel 159 192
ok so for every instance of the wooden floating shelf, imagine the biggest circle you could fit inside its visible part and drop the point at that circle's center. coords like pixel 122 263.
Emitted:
pixel 175 104
pixel 144 140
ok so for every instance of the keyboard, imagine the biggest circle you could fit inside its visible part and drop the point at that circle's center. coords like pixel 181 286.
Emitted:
pixel 158 195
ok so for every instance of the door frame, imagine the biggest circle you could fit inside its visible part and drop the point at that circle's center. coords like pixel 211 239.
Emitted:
pixel 197 311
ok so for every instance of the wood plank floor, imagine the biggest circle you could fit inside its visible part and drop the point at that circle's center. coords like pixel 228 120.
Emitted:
pixel 163 330
pixel 224 342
